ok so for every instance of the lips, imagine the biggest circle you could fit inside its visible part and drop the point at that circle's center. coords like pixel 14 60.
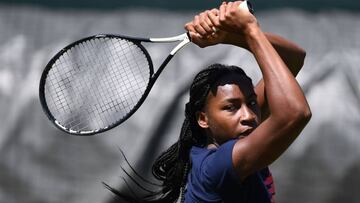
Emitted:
pixel 246 132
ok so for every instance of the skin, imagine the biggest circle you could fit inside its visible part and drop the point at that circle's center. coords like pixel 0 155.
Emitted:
pixel 232 112
pixel 284 108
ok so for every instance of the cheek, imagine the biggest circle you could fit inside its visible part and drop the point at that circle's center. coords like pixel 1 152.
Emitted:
pixel 224 126
pixel 216 126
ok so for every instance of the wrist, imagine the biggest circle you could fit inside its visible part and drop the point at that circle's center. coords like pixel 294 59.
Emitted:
pixel 242 39
pixel 252 33
pixel 236 39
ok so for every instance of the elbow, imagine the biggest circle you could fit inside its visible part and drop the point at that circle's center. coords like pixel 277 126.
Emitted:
pixel 302 54
pixel 298 115
pixel 307 114
pixel 301 58
pixel 302 115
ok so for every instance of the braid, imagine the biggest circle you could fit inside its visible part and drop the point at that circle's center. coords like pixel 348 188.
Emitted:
pixel 183 186
pixel 173 165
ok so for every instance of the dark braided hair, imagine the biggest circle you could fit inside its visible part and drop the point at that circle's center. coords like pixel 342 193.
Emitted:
pixel 173 165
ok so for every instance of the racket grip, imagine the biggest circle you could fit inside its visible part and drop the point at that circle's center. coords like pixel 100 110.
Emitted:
pixel 247 6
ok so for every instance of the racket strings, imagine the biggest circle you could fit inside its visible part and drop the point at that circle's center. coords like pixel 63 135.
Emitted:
pixel 96 83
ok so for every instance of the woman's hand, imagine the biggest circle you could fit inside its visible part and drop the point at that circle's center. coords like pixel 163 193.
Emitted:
pixel 202 30
pixel 232 19
pixel 221 25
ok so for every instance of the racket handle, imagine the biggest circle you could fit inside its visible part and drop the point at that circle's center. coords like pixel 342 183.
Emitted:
pixel 247 6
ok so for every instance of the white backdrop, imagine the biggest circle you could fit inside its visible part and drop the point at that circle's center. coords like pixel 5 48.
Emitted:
pixel 38 163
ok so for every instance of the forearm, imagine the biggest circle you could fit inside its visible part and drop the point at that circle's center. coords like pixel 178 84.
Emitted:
pixel 282 90
pixel 292 55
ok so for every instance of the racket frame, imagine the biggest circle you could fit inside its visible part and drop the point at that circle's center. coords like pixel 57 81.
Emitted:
pixel 184 38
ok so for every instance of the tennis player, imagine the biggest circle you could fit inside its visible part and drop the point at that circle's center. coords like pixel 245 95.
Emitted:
pixel 232 130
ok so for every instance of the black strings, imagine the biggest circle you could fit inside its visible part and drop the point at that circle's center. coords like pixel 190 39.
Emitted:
pixel 96 83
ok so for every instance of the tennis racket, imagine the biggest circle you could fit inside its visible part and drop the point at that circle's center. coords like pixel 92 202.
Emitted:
pixel 96 83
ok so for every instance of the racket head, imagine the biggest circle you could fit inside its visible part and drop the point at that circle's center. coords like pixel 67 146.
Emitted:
pixel 96 83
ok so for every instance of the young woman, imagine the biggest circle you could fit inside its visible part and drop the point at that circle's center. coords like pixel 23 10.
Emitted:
pixel 233 130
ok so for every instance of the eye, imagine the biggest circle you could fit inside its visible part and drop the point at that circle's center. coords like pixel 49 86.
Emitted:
pixel 252 103
pixel 230 108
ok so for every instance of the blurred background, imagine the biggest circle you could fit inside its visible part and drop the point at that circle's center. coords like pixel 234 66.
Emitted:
pixel 39 163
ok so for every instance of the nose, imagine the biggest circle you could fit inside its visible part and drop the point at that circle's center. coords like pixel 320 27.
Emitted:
pixel 247 116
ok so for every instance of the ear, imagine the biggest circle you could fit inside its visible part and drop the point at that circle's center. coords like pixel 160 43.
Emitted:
pixel 202 119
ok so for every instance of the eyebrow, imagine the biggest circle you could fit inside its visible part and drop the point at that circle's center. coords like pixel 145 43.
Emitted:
pixel 250 96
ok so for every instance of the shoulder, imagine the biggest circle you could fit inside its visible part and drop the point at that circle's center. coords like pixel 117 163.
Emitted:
pixel 212 166
pixel 199 155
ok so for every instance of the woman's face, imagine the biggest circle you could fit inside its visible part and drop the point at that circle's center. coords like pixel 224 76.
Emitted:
pixel 231 111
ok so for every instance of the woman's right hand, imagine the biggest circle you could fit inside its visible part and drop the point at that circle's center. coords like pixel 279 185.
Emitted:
pixel 203 31
pixel 233 19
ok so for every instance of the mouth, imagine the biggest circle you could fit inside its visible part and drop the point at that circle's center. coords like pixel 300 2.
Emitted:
pixel 246 132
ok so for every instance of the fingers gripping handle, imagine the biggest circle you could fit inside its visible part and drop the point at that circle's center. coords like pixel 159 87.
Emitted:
pixel 243 5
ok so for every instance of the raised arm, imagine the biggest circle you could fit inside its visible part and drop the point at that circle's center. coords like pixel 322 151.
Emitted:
pixel 286 101
pixel 291 54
